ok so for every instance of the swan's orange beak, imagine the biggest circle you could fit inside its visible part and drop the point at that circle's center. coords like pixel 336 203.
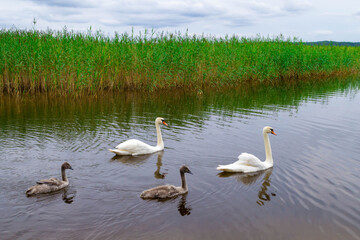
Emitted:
pixel 165 123
pixel 272 132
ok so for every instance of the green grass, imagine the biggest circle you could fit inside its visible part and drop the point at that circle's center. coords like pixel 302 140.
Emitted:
pixel 69 62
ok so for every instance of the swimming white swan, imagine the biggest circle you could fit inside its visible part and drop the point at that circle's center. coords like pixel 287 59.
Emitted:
pixel 136 147
pixel 168 191
pixel 52 184
pixel 248 162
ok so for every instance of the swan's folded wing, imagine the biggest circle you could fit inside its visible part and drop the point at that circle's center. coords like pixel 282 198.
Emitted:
pixel 132 146
pixel 246 163
pixel 164 191
pixel 51 181
pixel 249 160
pixel 167 190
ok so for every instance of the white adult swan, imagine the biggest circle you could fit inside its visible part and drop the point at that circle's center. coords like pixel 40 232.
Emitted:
pixel 135 147
pixel 248 162
pixel 52 184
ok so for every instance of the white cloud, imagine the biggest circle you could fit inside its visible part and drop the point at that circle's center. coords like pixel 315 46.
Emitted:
pixel 323 32
pixel 267 9
pixel 65 3
pixel 297 6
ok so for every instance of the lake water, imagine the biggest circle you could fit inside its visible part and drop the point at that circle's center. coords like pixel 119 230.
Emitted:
pixel 312 192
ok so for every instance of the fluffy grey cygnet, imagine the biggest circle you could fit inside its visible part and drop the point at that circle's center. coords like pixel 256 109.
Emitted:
pixel 168 191
pixel 52 184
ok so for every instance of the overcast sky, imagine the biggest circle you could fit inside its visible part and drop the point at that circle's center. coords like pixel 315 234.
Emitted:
pixel 311 20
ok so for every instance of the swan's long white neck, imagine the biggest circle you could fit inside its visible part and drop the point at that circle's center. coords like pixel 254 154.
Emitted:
pixel 160 142
pixel 268 153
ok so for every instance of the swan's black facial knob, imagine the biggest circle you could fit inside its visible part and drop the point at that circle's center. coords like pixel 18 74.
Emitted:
pixel 163 122
pixel 272 132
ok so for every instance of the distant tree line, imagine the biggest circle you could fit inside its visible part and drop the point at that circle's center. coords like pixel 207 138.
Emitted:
pixel 333 43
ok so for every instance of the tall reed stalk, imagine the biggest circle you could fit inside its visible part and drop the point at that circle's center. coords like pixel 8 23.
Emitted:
pixel 69 62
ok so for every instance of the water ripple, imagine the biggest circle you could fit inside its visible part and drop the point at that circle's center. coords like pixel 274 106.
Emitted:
pixel 310 193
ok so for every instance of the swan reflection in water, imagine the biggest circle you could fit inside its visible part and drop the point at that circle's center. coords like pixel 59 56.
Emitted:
pixel 140 159
pixel 157 173
pixel 251 178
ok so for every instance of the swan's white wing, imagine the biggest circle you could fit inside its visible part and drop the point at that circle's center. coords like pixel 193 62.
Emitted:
pixel 249 160
pixel 246 163
pixel 132 147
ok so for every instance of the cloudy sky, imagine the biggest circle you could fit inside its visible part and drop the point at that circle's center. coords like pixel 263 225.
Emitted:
pixel 310 20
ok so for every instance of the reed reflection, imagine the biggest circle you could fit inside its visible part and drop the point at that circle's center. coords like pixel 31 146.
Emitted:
pixel 251 178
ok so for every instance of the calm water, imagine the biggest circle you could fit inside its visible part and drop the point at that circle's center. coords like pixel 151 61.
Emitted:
pixel 312 192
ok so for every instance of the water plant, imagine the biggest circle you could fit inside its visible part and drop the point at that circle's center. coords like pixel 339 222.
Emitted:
pixel 70 62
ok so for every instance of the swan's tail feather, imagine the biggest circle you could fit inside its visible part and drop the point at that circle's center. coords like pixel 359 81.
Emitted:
pixel 220 167
pixel 230 168
pixel 237 168
pixel 30 191
pixel 119 152
pixel 224 168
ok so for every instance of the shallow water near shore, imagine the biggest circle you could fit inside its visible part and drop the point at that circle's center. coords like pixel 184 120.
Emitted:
pixel 312 192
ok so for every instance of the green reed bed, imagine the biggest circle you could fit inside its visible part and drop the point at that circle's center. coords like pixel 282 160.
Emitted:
pixel 70 62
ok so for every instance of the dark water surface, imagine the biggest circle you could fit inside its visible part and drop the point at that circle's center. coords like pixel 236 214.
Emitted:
pixel 312 192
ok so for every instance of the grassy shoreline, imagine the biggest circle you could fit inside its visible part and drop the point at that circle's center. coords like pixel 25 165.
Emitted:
pixel 66 62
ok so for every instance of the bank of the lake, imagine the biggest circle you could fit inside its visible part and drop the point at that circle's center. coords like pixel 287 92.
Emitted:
pixel 68 62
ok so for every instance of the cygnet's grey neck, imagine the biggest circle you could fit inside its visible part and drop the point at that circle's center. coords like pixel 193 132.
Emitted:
pixel 63 174
pixel 183 180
